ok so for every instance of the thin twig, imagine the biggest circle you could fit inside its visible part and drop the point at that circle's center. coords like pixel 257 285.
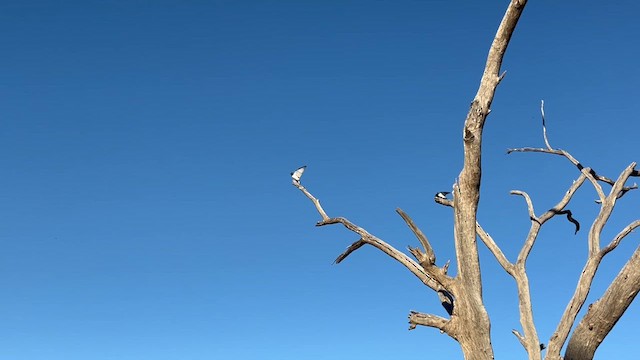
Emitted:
pixel 591 175
pixel 315 201
pixel 544 126
pixel 621 235
pixel 527 198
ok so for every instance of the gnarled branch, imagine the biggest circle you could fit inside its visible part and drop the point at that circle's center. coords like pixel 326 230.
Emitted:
pixel 430 255
pixel 430 320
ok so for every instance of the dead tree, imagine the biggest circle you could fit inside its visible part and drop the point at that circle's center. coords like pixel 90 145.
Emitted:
pixel 461 295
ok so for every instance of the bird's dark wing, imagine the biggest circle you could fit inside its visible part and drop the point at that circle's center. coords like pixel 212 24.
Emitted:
pixel 447 301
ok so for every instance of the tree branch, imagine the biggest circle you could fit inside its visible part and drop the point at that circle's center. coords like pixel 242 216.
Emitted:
pixel 430 256
pixel 604 313
pixel 530 341
pixel 495 249
pixel 606 208
pixel 353 247
pixel 591 266
pixel 621 235
pixel 589 173
pixel 315 201
pixel 537 222
pixel 520 338
pixel 527 198
pixel 418 318
pixel 366 237
pixel 470 323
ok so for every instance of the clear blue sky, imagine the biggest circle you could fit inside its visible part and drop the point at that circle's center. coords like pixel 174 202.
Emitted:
pixel 146 206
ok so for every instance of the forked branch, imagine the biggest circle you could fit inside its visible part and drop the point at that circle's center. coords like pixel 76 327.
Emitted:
pixel 596 254
pixel 367 238
pixel 590 173
pixel 594 259
pixel 529 339
pixel 429 274
pixel 429 254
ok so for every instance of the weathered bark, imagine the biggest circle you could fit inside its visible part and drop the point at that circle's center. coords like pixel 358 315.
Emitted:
pixel 605 313
pixel 474 326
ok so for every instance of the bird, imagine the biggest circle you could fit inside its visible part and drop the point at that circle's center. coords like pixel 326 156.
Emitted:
pixel 296 175
pixel 442 194
pixel 542 346
pixel 446 299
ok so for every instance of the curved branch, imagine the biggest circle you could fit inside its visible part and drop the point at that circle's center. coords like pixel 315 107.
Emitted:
pixel 565 200
pixel 430 275
pixel 495 249
pixel 588 172
pixel 527 198
pixel 315 201
pixel 399 256
pixel 367 238
pixel 530 340
pixel 353 247
pixel 606 208
pixel 430 255
pixel 621 235
pixel 537 222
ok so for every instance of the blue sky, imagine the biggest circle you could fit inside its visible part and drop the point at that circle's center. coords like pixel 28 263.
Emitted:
pixel 147 209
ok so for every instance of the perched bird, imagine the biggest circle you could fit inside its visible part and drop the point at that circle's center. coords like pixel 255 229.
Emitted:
pixel 442 194
pixel 446 299
pixel 296 175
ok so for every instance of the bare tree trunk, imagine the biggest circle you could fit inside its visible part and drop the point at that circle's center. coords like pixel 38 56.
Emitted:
pixel 475 326
pixel 469 323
